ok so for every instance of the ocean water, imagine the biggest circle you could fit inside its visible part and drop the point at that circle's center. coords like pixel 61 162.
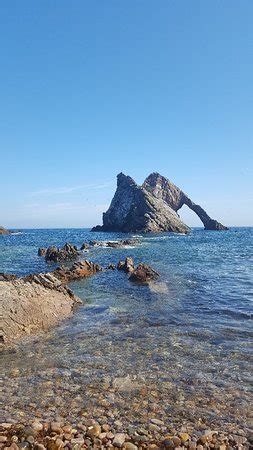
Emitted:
pixel 179 348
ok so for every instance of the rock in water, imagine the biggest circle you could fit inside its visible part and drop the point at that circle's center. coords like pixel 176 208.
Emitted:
pixel 143 274
pixel 164 189
pixel 135 209
pixel 55 254
pixel 4 231
pixel 151 207
pixel 127 265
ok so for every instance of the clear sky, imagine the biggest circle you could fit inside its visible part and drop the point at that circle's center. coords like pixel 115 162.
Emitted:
pixel 93 88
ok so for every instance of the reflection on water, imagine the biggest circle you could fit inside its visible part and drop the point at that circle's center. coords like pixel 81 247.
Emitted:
pixel 179 348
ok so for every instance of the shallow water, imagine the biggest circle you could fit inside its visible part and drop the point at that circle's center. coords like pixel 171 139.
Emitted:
pixel 178 349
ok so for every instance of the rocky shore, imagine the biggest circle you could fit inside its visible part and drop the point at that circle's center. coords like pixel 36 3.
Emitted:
pixel 91 434
pixel 39 301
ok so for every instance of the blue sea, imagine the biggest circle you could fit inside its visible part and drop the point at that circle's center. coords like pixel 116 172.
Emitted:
pixel 180 346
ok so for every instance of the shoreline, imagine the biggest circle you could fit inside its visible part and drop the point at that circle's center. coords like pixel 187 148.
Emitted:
pixel 148 414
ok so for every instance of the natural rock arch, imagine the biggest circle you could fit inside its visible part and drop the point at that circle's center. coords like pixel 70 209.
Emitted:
pixel 151 207
pixel 161 187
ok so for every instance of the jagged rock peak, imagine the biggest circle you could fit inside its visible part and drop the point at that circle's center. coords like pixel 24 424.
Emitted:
pixel 125 180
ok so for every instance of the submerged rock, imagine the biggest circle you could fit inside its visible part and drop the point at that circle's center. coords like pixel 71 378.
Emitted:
pixel 151 207
pixel 115 244
pixel 143 274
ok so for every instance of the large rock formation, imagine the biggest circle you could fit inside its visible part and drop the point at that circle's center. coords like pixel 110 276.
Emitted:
pixel 135 209
pixel 164 189
pixel 151 207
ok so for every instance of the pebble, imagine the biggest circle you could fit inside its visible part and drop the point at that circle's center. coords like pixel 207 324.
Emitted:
pixel 157 421
pixel 56 427
pixel 94 430
pixel 130 446
pixel 119 439
pixel 37 426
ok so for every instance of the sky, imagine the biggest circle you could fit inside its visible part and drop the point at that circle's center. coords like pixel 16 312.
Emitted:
pixel 90 88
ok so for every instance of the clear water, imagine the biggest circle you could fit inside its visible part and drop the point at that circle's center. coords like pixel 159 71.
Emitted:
pixel 180 348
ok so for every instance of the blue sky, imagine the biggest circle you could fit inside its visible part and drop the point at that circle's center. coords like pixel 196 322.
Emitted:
pixel 93 88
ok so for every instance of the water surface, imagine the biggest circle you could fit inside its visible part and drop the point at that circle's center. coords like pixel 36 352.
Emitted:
pixel 178 349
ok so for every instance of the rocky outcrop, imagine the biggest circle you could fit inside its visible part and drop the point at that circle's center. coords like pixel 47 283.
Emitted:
pixel 38 301
pixel 30 307
pixel 4 231
pixel 143 274
pixel 151 207
pixel 54 254
pixel 127 265
pixel 135 209
pixel 164 189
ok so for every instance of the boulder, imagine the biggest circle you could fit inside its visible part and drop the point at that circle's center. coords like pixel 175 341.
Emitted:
pixel 127 265
pixel 143 274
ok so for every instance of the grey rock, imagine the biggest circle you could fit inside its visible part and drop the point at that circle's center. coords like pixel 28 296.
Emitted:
pixel 164 189
pixel 151 207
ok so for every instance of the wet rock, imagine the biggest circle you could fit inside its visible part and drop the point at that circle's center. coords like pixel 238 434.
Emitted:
pixel 7 277
pixel 127 265
pixel 85 246
pixel 42 251
pixel 66 253
pixel 111 267
pixel 143 274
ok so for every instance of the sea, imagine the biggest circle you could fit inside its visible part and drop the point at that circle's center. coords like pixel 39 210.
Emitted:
pixel 179 348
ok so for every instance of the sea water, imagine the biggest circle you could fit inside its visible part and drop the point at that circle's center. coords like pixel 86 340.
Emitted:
pixel 178 348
